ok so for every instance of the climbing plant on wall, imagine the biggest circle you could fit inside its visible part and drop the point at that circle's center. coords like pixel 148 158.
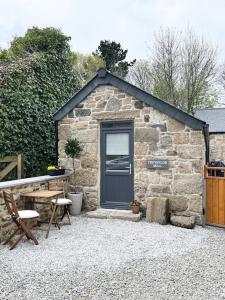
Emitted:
pixel 34 83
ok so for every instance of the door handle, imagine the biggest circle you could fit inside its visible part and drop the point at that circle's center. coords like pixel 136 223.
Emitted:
pixel 130 169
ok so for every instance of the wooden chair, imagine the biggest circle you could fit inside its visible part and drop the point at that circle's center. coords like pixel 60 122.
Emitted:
pixel 58 203
pixel 22 218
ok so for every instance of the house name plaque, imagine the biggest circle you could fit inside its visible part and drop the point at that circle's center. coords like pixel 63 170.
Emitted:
pixel 158 164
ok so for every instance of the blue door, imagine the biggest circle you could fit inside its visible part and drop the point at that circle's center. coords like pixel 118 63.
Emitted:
pixel 117 182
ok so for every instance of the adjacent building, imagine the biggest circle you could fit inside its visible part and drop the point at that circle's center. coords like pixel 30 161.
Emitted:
pixel 215 117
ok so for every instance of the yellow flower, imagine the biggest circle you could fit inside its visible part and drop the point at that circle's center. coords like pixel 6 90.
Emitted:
pixel 51 168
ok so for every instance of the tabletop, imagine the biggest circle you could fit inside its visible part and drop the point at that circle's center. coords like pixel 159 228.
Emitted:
pixel 42 194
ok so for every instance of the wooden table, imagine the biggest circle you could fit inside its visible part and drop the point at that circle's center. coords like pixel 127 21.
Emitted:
pixel 43 197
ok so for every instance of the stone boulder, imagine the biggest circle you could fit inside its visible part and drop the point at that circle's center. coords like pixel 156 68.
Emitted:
pixel 157 210
pixel 90 204
pixel 114 104
pixel 184 221
pixel 178 203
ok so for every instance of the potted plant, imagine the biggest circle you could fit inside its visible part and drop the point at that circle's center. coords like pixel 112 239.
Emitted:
pixel 135 206
pixel 73 150
pixel 55 170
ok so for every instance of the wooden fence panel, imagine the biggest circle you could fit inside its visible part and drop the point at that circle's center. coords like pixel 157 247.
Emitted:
pixel 215 196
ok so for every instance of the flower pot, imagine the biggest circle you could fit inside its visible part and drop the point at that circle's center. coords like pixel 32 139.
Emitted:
pixel 75 207
pixel 56 172
pixel 135 209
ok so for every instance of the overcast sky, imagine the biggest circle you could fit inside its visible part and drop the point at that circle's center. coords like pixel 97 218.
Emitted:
pixel 132 23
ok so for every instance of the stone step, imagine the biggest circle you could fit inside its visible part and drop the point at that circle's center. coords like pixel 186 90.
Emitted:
pixel 102 213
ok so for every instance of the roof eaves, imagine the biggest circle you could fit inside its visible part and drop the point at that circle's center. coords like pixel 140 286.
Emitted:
pixel 132 90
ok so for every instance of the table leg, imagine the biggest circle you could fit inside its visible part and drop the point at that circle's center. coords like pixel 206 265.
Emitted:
pixel 51 220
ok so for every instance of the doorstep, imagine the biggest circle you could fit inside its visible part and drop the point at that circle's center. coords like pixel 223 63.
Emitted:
pixel 102 213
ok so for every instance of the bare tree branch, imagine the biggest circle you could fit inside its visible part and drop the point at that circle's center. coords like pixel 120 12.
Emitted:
pixel 140 75
pixel 165 65
pixel 181 69
pixel 199 70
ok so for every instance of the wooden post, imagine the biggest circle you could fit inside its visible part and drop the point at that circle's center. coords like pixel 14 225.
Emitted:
pixel 19 166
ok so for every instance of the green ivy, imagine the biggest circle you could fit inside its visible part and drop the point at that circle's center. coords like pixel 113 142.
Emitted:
pixel 32 88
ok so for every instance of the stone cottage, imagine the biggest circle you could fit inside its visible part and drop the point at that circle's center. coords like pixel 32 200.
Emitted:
pixel 135 146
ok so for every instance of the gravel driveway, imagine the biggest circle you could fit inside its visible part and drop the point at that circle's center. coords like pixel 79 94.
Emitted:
pixel 112 259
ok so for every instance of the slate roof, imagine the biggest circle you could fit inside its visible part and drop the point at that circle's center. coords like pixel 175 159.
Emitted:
pixel 103 77
pixel 215 117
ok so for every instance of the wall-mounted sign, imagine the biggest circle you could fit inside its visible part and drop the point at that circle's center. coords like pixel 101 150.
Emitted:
pixel 157 164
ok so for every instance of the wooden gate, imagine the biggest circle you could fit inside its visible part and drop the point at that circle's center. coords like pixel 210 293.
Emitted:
pixel 11 162
pixel 215 196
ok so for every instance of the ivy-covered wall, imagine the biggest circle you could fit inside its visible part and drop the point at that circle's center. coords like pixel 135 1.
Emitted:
pixel 34 84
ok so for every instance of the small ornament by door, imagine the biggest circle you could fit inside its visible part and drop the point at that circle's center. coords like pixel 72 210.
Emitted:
pixel 135 206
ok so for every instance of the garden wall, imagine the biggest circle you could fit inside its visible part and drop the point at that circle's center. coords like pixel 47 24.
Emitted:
pixel 6 225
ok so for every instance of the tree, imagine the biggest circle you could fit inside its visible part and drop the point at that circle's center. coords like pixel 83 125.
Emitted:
pixel 140 75
pixel 114 57
pixel 4 55
pixel 198 60
pixel 165 65
pixel 33 85
pixel 85 66
pixel 222 81
pixel 183 69
pixel 223 77
pixel 73 149
pixel 46 40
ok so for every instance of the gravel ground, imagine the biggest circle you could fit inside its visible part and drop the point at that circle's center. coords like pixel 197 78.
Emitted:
pixel 113 259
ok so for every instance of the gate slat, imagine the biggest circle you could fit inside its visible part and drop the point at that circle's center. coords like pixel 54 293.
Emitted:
pixel 209 200
pixel 215 201
pixel 221 203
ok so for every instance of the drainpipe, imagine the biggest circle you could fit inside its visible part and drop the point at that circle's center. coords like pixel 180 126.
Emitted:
pixel 206 137
pixel 56 143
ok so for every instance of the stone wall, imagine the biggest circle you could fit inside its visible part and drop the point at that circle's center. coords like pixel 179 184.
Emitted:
pixel 6 225
pixel 156 136
pixel 217 147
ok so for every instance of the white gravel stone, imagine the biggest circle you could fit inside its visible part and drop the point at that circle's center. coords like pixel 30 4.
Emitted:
pixel 113 259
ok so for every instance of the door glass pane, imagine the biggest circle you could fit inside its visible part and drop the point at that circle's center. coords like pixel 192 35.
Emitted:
pixel 117 144
pixel 117 151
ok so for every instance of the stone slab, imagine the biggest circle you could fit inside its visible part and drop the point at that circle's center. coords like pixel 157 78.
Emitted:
pixel 125 215
pixel 183 221
pixel 31 180
pixel 157 210
pixel 107 115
